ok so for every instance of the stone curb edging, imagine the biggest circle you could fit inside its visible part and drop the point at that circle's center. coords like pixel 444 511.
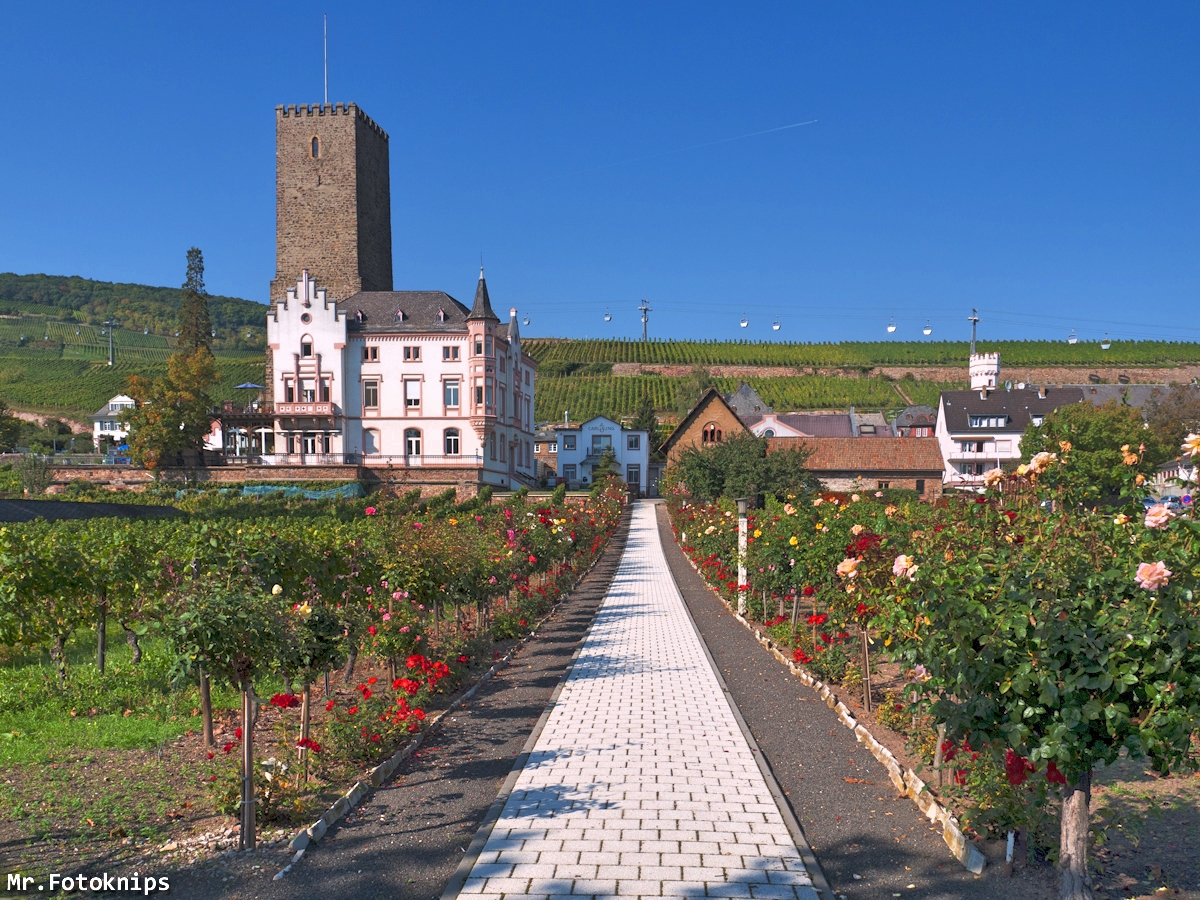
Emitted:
pixel 377 776
pixel 904 780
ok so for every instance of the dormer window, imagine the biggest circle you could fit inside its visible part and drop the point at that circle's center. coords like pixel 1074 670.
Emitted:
pixel 316 148
pixel 399 315
pixel 360 316
pixel 441 315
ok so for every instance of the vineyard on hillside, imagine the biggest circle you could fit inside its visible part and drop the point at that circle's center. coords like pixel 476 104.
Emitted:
pixel 853 354
pixel 80 387
pixel 616 396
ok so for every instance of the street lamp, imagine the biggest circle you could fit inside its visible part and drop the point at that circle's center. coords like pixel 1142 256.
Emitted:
pixel 743 504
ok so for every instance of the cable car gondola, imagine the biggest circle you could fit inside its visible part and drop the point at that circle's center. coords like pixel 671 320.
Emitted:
pixel 891 326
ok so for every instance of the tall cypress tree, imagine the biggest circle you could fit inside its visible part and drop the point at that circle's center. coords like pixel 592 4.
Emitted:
pixel 195 326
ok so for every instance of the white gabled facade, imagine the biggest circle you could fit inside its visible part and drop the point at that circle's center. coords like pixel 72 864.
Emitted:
pixel 395 379
pixel 580 448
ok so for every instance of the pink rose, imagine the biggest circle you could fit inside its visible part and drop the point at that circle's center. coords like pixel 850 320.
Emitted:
pixel 902 565
pixel 1152 576
pixel 370 510
pixel 1158 516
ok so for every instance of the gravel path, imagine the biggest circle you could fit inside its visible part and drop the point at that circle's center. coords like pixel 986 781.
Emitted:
pixel 407 838
pixel 854 828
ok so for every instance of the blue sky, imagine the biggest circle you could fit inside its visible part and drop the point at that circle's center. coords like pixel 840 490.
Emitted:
pixel 1038 161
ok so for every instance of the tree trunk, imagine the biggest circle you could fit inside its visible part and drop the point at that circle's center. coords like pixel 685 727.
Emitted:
pixel 205 709
pixel 1074 883
pixel 131 639
pixel 58 653
pixel 351 659
pixel 101 632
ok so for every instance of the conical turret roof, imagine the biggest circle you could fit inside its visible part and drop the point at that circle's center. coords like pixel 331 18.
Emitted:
pixel 483 305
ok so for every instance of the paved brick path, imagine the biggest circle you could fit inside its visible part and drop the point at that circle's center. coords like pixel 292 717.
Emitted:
pixel 641 782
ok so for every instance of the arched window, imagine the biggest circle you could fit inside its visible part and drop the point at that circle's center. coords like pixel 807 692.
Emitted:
pixel 306 345
pixel 712 434
pixel 770 432
pixel 371 442
pixel 316 148
pixel 452 442
pixel 412 442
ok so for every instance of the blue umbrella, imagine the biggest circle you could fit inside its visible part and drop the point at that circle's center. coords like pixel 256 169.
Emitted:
pixel 249 386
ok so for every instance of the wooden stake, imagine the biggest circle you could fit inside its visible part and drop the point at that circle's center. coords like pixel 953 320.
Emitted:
pixel 938 760
pixel 206 709
pixel 247 835
pixel 305 718
pixel 866 664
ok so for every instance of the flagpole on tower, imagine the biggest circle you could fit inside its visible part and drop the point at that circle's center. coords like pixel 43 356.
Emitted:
pixel 325 22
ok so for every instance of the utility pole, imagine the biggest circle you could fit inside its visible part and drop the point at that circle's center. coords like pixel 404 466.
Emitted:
pixel 973 318
pixel 109 325
pixel 645 308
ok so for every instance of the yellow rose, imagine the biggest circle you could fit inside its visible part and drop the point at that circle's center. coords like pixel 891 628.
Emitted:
pixel 795 541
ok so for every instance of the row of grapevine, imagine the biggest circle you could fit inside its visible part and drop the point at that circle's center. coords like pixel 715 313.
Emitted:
pixel 618 396
pixel 79 386
pixel 241 599
pixel 860 353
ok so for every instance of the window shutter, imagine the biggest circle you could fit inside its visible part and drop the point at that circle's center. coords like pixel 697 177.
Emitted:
pixel 412 390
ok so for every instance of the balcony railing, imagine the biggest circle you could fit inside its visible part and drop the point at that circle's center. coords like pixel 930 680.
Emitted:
pixel 262 409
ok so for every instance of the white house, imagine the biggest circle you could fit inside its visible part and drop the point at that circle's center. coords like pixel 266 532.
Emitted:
pixel 106 422
pixel 980 429
pixel 405 380
pixel 581 446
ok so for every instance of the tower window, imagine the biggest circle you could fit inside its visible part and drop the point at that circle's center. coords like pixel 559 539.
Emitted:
pixel 316 148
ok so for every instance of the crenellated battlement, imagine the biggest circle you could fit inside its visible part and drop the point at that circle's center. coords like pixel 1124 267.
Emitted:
pixel 304 110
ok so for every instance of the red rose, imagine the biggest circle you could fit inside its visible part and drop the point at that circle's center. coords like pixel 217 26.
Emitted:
pixel 809 590
pixel 237 733
pixel 329 706
pixel 1053 775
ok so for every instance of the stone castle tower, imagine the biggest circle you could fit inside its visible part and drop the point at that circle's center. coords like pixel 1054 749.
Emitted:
pixel 333 201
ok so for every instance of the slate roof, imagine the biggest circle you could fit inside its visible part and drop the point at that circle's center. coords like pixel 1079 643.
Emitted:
pixel 912 415
pixel 1016 405
pixel 1135 395
pixel 380 312
pixel 877 420
pixel 818 425
pixel 882 454
pixel 746 402
pixel 483 304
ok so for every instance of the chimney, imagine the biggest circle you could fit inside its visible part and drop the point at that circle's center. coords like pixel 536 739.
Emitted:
pixel 1042 392
pixel 983 392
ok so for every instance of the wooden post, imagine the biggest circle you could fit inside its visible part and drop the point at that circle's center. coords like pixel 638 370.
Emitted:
pixel 305 719
pixel 247 835
pixel 206 709
pixel 866 664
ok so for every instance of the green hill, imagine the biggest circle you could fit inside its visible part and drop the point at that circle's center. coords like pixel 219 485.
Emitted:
pixel 857 354
pixel 37 305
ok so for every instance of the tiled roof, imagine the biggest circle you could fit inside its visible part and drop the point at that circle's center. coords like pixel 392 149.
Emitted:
pixel 881 454
pixel 1015 406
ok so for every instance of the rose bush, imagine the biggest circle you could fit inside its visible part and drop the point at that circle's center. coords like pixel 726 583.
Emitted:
pixel 1049 634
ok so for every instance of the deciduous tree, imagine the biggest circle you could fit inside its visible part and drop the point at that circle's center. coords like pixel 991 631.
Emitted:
pixel 172 413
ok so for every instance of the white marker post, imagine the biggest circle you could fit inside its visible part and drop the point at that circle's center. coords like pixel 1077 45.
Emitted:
pixel 743 504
